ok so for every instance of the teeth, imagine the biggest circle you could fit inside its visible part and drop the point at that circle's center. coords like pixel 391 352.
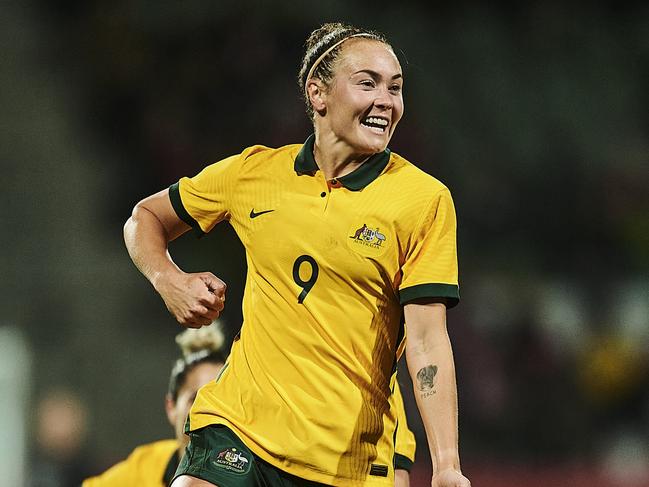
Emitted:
pixel 377 121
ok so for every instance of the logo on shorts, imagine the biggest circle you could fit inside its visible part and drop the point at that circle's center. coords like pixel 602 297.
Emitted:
pixel 368 237
pixel 233 460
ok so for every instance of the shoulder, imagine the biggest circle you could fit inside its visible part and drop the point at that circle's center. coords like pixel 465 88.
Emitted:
pixel 408 173
pixel 253 159
pixel 416 192
pixel 161 448
pixel 265 151
pixel 142 467
pixel 151 455
pixel 257 153
pixel 261 158
pixel 150 460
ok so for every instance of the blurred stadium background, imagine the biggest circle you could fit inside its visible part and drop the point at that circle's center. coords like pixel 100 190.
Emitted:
pixel 535 115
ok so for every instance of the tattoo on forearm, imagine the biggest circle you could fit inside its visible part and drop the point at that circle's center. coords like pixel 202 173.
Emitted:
pixel 426 380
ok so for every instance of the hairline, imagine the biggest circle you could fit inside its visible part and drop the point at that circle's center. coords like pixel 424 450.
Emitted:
pixel 342 44
pixel 334 70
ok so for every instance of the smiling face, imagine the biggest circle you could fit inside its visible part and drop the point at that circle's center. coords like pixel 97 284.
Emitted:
pixel 363 104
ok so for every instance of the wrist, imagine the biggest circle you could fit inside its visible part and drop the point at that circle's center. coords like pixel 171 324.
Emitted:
pixel 160 279
pixel 447 460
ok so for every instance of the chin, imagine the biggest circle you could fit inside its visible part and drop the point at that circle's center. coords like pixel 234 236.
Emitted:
pixel 373 145
pixel 379 146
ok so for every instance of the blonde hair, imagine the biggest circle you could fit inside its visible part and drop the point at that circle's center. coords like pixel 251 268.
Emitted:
pixel 197 346
pixel 193 340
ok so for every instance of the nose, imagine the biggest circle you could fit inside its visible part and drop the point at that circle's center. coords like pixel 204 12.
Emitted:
pixel 383 99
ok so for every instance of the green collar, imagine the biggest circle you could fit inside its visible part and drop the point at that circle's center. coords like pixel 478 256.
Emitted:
pixel 356 180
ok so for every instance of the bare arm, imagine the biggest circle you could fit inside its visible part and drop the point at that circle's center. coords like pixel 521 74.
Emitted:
pixel 430 363
pixel 194 299
pixel 401 478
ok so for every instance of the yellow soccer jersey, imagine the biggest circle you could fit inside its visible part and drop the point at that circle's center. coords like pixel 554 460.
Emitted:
pixel 330 264
pixel 404 440
pixel 151 465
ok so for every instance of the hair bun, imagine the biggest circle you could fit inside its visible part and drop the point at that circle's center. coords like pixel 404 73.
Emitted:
pixel 194 340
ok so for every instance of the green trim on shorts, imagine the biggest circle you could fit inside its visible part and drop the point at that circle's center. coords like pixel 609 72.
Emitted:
pixel 215 454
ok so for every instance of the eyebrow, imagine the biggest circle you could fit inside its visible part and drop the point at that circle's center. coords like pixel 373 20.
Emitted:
pixel 376 75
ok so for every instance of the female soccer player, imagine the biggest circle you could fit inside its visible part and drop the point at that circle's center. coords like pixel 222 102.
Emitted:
pixel 344 241
pixel 154 464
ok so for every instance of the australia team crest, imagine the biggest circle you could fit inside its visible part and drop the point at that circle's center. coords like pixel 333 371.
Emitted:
pixel 367 239
pixel 233 460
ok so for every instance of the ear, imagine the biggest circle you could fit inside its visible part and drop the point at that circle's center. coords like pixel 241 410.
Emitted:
pixel 317 94
pixel 170 409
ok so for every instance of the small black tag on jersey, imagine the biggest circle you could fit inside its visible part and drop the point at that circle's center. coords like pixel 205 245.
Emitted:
pixel 379 470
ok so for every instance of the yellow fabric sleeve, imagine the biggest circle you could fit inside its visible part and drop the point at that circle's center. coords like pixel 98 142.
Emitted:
pixel 430 268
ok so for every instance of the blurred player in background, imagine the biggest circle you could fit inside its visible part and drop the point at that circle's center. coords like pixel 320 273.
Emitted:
pixel 154 464
pixel 343 240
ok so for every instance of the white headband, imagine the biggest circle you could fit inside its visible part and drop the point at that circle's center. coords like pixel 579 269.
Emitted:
pixel 324 54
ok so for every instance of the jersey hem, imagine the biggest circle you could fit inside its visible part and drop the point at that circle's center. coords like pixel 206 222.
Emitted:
pixel 451 292
pixel 297 471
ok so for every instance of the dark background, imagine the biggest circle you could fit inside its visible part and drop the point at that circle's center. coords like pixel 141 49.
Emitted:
pixel 535 115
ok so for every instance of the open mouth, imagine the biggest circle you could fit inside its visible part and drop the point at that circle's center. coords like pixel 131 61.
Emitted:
pixel 377 124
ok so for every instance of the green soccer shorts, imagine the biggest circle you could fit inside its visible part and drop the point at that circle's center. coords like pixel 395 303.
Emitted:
pixel 217 455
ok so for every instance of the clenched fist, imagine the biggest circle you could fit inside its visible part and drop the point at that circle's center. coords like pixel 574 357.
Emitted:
pixel 450 478
pixel 195 299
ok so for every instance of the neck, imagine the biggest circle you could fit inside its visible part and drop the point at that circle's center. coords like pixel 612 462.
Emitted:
pixel 334 156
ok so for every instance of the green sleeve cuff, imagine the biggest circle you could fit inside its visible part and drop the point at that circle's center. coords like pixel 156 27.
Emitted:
pixel 451 292
pixel 402 462
pixel 177 203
